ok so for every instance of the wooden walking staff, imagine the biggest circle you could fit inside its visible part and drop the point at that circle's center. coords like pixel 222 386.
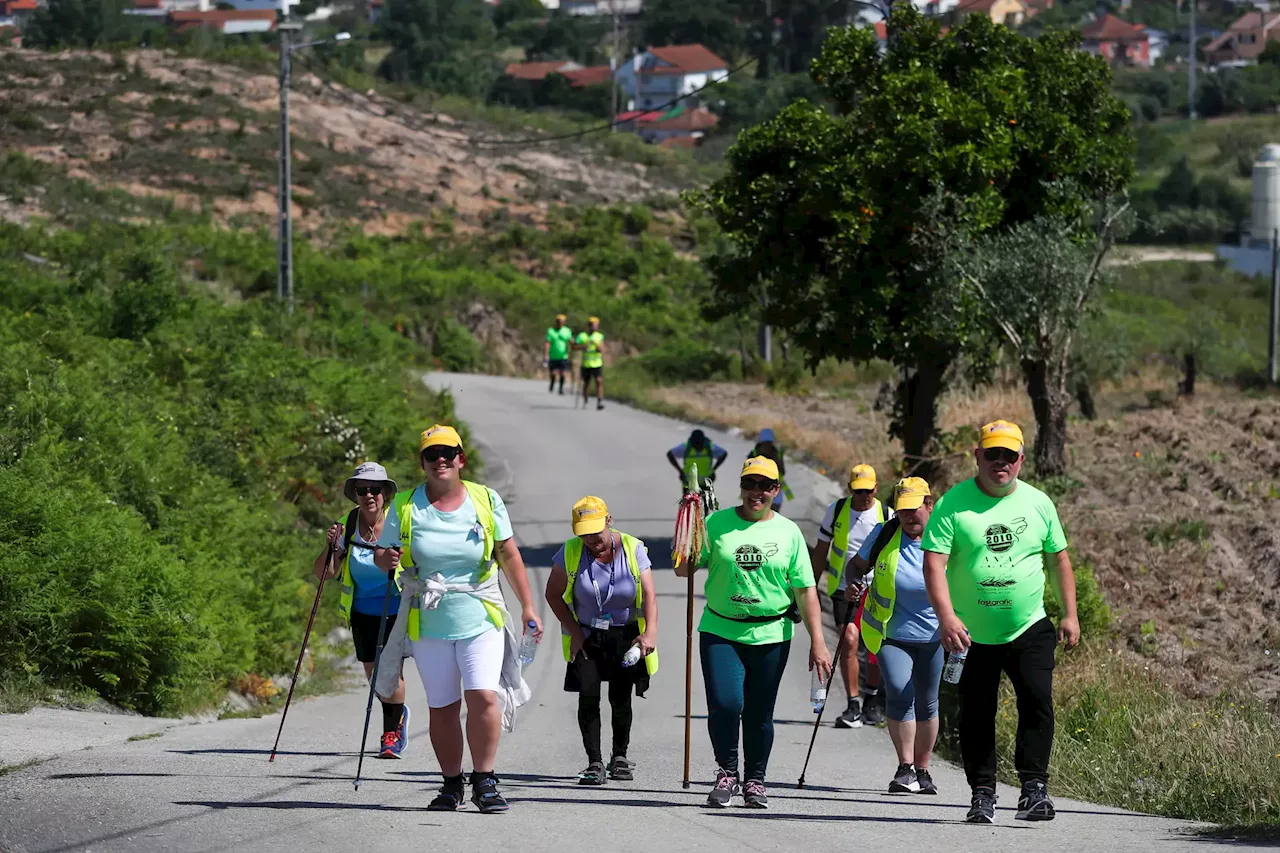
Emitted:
pixel 691 535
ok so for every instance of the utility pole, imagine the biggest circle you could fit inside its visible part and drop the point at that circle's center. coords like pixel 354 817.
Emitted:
pixel 284 247
pixel 1275 305
pixel 1191 66
pixel 613 71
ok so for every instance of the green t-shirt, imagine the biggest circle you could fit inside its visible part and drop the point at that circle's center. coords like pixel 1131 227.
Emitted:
pixel 996 548
pixel 559 340
pixel 751 570
pixel 591 357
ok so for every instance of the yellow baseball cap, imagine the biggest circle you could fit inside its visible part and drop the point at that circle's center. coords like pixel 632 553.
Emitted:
pixel 439 435
pixel 862 477
pixel 760 466
pixel 561 317
pixel 1001 434
pixel 909 493
pixel 593 319
pixel 590 515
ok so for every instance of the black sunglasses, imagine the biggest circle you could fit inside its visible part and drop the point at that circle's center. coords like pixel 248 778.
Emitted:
pixel 1000 454
pixel 364 491
pixel 435 454
pixel 757 484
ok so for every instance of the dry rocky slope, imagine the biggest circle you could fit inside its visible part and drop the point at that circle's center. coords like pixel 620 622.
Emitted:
pixel 205 135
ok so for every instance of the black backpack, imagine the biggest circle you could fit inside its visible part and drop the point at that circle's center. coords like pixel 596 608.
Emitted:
pixel 882 540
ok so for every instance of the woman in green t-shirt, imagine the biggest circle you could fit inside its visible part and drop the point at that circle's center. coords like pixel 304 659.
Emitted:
pixel 757 562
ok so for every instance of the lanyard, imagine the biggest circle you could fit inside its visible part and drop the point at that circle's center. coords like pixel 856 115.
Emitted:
pixel 591 576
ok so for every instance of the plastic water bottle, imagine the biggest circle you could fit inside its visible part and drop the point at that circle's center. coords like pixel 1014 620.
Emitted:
pixel 817 692
pixel 528 644
pixel 955 666
pixel 632 657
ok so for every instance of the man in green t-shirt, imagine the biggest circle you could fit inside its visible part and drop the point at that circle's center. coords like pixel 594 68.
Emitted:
pixel 591 342
pixel 555 352
pixel 987 547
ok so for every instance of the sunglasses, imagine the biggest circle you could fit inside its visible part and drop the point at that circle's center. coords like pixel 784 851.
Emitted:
pixel 435 454
pixel 757 484
pixel 862 493
pixel 365 491
pixel 1000 454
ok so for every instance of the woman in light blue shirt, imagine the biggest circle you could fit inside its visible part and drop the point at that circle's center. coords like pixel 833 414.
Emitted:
pixel 460 648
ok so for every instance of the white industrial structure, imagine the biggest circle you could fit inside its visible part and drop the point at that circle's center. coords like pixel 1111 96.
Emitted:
pixel 1253 255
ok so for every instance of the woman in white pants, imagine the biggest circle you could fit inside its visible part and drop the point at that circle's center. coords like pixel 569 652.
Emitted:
pixel 457 529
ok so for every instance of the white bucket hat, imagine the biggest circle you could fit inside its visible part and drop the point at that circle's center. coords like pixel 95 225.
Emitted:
pixel 371 472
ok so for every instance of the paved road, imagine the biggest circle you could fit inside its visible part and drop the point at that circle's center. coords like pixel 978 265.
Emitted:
pixel 208 787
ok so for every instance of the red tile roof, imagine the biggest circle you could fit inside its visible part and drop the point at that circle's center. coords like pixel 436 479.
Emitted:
pixel 589 76
pixel 146 4
pixel 641 115
pixel 882 31
pixel 8 7
pixel 1111 28
pixel 690 120
pixel 686 59
pixel 221 16
pixel 538 70
pixel 679 142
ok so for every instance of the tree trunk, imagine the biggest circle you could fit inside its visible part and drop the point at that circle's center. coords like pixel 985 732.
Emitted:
pixel 918 394
pixel 1188 387
pixel 1049 402
pixel 1084 395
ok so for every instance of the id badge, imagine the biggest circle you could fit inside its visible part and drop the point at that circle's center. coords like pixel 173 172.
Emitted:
pixel 601 623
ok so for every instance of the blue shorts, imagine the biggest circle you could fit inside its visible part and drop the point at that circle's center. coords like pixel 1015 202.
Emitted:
pixel 559 365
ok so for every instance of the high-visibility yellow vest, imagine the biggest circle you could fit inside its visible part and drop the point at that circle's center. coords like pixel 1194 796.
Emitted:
pixel 592 357
pixel 881 595
pixel 347 592
pixel 482 500
pixel 840 541
pixel 698 461
pixel 573 559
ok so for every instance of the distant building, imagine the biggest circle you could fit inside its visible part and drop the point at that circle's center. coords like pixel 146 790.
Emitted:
pixel 1119 42
pixel 661 74
pixel 1008 12
pixel 14 13
pixel 228 22
pixel 629 8
pixel 540 70
pixel 1244 40
pixel 680 127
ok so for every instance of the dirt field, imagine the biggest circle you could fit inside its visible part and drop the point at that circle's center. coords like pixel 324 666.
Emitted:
pixel 1172 502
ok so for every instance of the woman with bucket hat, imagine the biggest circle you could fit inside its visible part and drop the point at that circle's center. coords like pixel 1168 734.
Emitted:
pixel 601 590
pixel 366 589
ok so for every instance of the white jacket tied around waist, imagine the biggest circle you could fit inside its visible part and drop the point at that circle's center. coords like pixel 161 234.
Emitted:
pixel 512 689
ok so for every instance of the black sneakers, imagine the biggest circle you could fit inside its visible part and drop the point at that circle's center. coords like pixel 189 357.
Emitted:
pixel 852 716
pixel 1034 804
pixel 925 782
pixel 982 808
pixel 872 713
pixel 754 795
pixel 450 797
pixel 484 793
pixel 726 789
pixel 904 781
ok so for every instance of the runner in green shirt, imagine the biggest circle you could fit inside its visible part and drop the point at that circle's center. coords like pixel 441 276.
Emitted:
pixel 987 547
pixel 757 563
pixel 555 352
pixel 591 343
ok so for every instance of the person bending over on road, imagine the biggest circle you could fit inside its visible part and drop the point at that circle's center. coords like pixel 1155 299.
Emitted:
pixel 766 446
pixel 757 563
pixel 601 590
pixel 364 587
pixel 457 529
pixel 555 352
pixel 591 343
pixel 987 547
pixel 844 528
pixel 900 627
pixel 699 457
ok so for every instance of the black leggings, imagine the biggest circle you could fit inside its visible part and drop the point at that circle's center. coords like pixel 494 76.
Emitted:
pixel 589 718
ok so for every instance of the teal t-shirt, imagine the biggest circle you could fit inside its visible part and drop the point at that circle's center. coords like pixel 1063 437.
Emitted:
pixel 752 567
pixel 995 564
pixel 451 543
pixel 559 340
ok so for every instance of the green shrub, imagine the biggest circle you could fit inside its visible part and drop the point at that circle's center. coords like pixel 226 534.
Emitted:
pixel 684 361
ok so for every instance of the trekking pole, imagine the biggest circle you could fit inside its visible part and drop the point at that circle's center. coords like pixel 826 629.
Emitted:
pixel 688 678
pixel 835 661
pixel 373 677
pixel 328 563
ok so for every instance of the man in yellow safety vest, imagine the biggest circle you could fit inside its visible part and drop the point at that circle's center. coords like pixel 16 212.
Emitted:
pixel 842 532
pixel 591 344
pixel 698 457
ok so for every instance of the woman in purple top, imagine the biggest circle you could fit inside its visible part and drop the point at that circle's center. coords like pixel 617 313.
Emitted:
pixel 601 590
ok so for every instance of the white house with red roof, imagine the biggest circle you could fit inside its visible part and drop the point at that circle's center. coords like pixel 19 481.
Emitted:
pixel 658 76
